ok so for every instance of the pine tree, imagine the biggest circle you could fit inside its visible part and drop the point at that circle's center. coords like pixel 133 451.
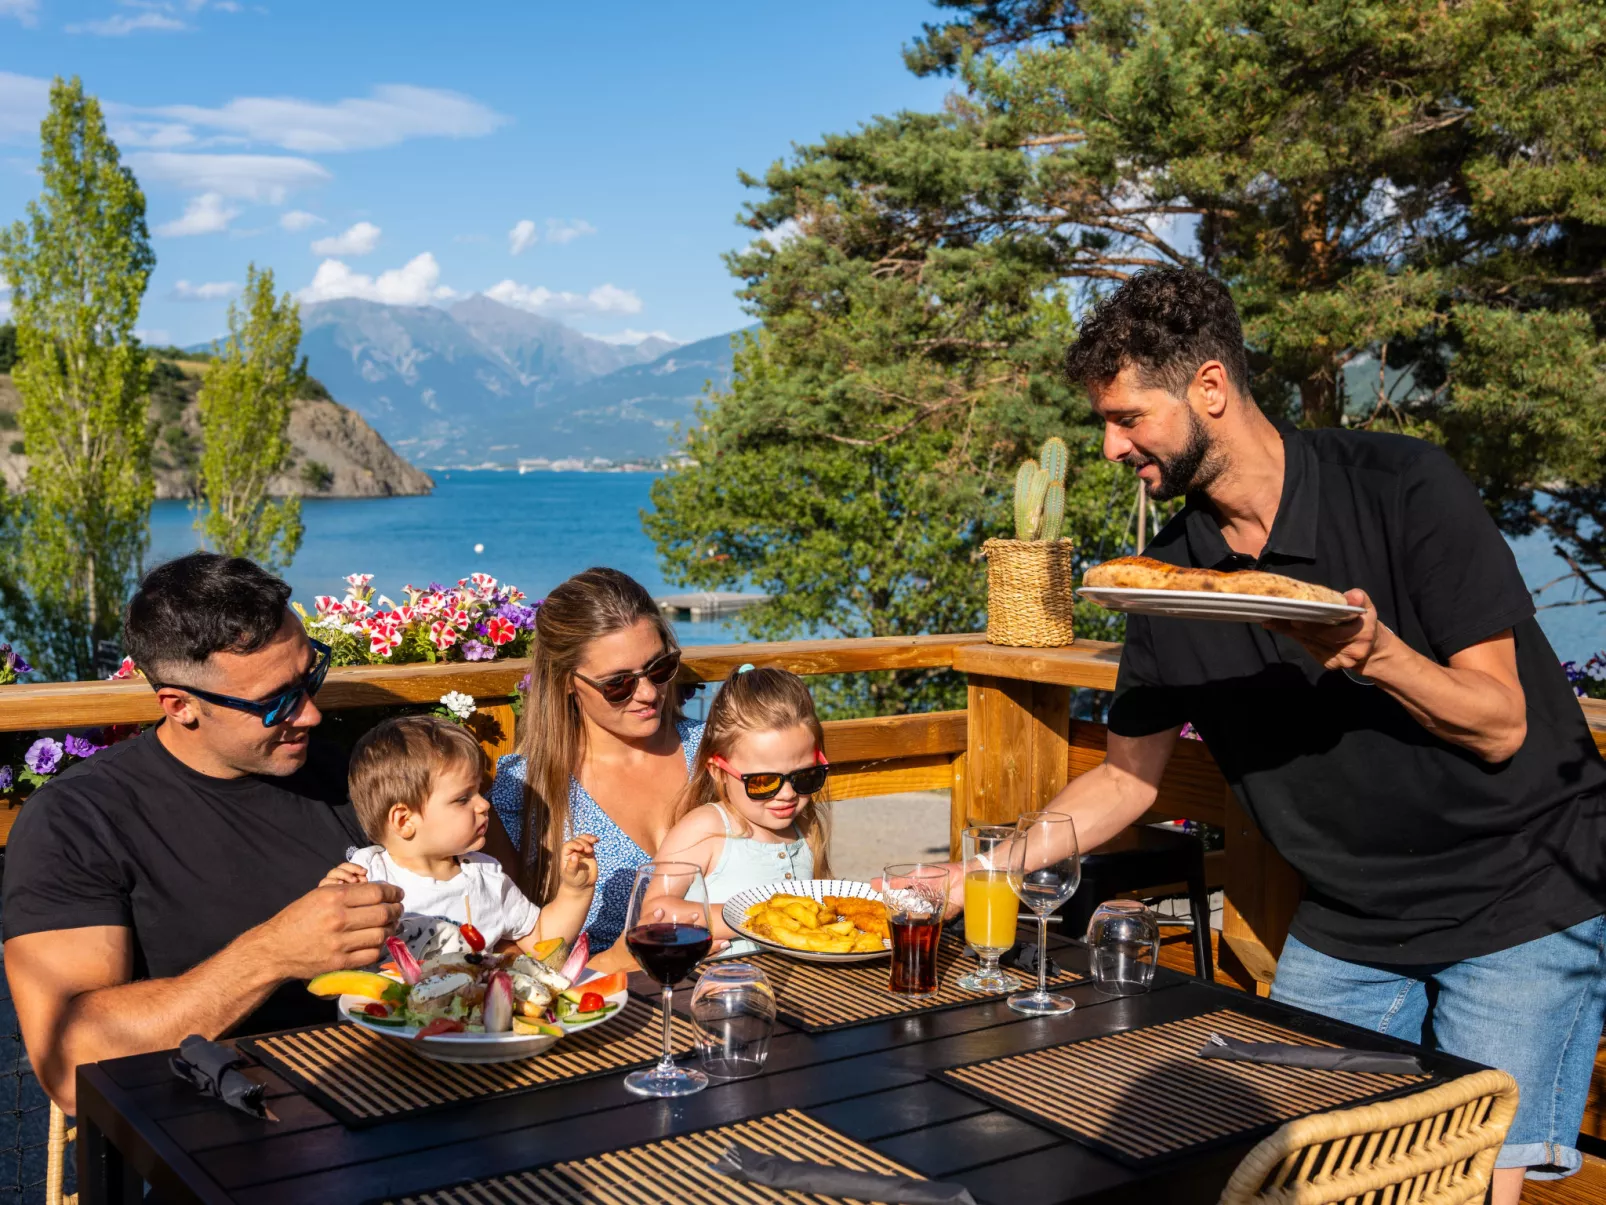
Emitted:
pixel 78 266
pixel 244 403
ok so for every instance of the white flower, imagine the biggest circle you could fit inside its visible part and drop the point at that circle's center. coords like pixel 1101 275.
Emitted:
pixel 458 703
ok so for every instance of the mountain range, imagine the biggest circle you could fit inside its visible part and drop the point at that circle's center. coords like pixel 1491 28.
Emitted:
pixel 481 382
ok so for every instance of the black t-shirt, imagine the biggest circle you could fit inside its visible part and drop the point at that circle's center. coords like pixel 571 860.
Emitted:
pixel 134 837
pixel 1413 850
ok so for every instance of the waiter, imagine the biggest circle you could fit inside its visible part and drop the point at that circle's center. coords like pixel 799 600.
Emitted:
pixel 1424 766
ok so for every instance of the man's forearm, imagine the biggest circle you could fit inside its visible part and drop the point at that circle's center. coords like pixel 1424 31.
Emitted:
pixel 1102 802
pixel 1464 706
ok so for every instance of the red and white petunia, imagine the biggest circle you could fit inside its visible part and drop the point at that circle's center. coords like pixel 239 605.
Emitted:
pixel 328 604
pixel 358 580
pixel 442 635
pixel 484 584
pixel 382 643
pixel 499 631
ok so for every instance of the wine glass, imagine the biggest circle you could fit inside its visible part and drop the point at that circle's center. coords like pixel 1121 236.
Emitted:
pixel 991 907
pixel 1045 868
pixel 668 934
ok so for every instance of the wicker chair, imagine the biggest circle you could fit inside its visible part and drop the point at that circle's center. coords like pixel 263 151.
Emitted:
pixel 56 1158
pixel 1431 1148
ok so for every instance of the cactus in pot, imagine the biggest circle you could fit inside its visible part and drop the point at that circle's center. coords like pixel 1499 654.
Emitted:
pixel 1040 493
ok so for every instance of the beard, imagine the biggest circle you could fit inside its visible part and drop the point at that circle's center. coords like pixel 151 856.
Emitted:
pixel 1191 469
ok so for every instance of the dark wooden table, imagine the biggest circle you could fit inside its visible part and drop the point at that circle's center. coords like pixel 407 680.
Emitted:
pixel 136 1122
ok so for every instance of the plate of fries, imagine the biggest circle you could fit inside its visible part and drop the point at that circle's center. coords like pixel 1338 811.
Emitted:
pixel 816 920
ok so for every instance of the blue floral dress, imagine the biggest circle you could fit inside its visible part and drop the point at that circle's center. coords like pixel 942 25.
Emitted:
pixel 617 855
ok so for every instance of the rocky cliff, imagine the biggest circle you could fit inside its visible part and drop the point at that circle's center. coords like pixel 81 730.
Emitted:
pixel 336 454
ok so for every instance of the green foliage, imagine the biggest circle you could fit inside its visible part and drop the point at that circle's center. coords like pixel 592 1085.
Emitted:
pixel 314 390
pixel 317 477
pixel 1407 197
pixel 1040 493
pixel 78 266
pixel 244 405
pixel 8 346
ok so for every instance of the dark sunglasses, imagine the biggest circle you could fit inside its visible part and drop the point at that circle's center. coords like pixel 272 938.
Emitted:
pixel 278 708
pixel 766 784
pixel 616 688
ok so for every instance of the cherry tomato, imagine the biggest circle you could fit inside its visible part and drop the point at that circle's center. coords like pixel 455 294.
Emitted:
pixel 376 1010
pixel 439 1026
pixel 475 939
pixel 590 1002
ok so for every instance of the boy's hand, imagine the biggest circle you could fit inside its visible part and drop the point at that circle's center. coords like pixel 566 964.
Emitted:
pixel 579 869
pixel 346 872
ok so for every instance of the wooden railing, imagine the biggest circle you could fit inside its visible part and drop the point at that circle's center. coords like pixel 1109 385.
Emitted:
pixel 1010 750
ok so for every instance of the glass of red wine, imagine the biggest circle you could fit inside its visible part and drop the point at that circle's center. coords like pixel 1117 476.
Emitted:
pixel 669 935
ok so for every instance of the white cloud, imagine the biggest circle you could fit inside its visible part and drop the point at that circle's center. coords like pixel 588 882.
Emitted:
pixel 630 338
pixel 24 101
pixel 205 214
pixel 153 337
pixel 26 11
pixel 214 290
pixel 122 24
pixel 559 231
pixel 5 299
pixel 299 219
pixel 268 178
pixel 522 237
pixel 359 240
pixel 390 114
pixel 604 299
pixel 415 283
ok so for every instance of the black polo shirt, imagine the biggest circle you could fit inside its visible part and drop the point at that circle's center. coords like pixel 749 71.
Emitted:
pixel 1413 850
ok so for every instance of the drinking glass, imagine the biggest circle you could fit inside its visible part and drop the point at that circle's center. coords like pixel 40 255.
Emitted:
pixel 1045 868
pixel 668 934
pixel 916 895
pixel 1123 939
pixel 991 906
pixel 733 1008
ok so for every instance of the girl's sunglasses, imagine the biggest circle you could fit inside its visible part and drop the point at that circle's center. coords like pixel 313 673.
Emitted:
pixel 275 709
pixel 616 688
pixel 766 784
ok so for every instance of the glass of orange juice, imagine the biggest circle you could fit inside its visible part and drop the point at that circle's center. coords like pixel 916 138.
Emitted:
pixel 991 905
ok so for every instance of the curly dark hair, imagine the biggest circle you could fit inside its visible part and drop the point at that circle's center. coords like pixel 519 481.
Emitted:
pixel 200 604
pixel 1166 322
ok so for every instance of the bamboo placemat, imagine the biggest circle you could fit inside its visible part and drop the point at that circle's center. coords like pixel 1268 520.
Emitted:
pixel 676 1169
pixel 363 1078
pixel 1145 1094
pixel 817 997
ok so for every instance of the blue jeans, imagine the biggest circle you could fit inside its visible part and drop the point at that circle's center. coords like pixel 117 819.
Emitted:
pixel 1534 1011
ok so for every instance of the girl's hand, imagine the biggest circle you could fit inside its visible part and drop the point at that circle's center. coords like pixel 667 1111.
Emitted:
pixel 579 869
pixel 346 872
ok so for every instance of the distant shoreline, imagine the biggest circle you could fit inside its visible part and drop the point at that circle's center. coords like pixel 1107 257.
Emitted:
pixel 568 465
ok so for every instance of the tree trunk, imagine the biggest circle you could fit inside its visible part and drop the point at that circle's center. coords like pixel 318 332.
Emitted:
pixel 1318 397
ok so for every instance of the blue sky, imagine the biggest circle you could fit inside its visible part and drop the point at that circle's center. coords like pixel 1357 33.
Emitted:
pixel 578 160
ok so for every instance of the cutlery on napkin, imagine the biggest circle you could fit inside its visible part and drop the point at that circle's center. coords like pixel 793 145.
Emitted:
pixel 1323 1058
pixel 1023 957
pixel 214 1071
pixel 772 1171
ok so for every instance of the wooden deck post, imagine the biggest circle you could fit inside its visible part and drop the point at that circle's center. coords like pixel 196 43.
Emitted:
pixel 1262 892
pixel 1017 751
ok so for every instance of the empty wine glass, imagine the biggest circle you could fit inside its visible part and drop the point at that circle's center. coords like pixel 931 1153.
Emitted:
pixel 733 1007
pixel 991 907
pixel 1045 868
pixel 668 934
pixel 1123 940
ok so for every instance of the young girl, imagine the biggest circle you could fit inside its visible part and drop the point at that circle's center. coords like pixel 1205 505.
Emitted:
pixel 753 812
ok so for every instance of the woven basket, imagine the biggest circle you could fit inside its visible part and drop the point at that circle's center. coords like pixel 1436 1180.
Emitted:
pixel 1029 598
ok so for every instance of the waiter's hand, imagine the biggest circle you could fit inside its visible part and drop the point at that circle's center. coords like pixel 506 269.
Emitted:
pixel 1345 646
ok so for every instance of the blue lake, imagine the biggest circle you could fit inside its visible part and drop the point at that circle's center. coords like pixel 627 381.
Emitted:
pixel 540 528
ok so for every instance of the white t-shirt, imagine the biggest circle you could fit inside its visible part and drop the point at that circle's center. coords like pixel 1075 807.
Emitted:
pixel 480 891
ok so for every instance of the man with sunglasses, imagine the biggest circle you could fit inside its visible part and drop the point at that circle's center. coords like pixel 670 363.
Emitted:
pixel 168 885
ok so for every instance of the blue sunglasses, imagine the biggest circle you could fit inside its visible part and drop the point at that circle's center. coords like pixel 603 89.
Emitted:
pixel 280 707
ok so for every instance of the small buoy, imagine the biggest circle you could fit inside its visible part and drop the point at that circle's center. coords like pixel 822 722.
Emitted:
pixel 479 548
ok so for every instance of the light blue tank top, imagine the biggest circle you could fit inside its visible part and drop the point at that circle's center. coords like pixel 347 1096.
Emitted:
pixel 747 862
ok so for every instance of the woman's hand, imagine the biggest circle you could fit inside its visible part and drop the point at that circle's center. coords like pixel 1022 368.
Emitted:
pixel 346 872
pixel 578 871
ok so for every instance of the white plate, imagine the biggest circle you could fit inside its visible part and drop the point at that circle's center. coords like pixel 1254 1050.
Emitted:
pixel 473 1047
pixel 1201 604
pixel 735 913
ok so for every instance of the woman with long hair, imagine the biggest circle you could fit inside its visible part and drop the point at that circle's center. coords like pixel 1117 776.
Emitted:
pixel 603 747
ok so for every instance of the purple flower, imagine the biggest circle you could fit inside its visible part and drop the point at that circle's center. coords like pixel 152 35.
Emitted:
pixel 6 778
pixel 12 660
pixel 519 615
pixel 474 650
pixel 43 756
pixel 523 686
pixel 80 747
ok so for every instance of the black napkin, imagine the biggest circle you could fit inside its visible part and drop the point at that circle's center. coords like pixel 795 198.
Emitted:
pixel 213 1069
pixel 1324 1058
pixel 754 1167
pixel 1022 956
